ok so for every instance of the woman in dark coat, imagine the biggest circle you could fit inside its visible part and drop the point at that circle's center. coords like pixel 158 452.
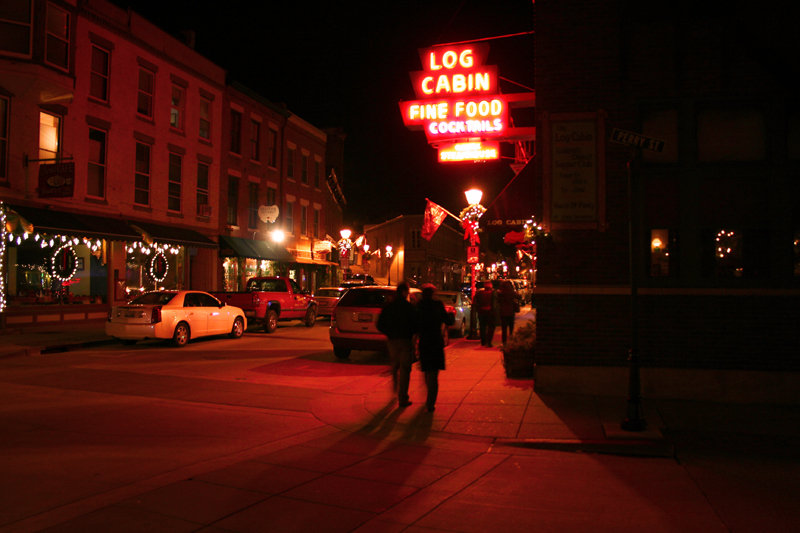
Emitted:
pixel 432 318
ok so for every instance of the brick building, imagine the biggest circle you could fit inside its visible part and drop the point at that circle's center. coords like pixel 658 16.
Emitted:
pixel 715 219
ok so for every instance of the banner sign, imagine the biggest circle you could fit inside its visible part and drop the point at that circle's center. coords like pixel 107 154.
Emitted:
pixel 56 180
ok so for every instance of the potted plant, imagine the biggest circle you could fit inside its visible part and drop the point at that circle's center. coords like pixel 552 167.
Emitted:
pixel 518 351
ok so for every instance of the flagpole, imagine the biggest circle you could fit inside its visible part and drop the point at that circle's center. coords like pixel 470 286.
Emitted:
pixel 443 209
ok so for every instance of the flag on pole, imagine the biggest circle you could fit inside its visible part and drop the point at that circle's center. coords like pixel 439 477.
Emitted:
pixel 434 216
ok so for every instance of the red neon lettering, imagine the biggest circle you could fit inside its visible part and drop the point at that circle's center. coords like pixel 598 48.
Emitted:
pixel 450 59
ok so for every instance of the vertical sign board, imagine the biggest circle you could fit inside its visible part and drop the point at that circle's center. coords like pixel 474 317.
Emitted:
pixel 575 167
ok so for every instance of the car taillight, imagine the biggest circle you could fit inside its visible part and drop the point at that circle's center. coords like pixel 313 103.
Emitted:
pixel 155 315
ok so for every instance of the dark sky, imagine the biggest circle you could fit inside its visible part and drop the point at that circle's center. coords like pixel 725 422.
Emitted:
pixel 346 64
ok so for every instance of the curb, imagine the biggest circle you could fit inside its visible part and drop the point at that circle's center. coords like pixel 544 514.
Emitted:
pixel 636 448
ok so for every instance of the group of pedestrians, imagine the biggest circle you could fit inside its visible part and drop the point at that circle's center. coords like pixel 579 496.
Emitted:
pixel 402 322
pixel 496 304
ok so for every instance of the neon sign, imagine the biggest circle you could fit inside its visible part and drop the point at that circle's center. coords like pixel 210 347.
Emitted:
pixel 457 99
pixel 469 151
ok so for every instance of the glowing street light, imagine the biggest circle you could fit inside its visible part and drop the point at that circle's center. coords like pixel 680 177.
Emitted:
pixel 344 245
pixel 469 221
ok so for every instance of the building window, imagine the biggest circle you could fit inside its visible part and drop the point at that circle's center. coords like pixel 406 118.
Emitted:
pixel 290 155
pixel 272 147
pixel 303 220
pixel 236 132
pixel 49 135
pixel 205 119
pixel 233 200
pixel 98 84
pixel 4 104
pixel 57 40
pixel 728 254
pixel 315 229
pixel 289 218
pixel 177 104
pixel 141 185
pixel 304 169
pixel 661 253
pixel 272 194
pixel 174 187
pixel 416 236
pixel 255 140
pixel 731 135
pixel 317 173
pixel 15 27
pixel 96 176
pixel 202 189
pixel 144 100
pixel 252 207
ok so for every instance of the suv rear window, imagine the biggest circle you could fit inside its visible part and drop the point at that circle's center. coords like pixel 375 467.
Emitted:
pixel 366 298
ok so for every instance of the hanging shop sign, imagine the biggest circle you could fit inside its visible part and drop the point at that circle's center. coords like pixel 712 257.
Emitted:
pixel 458 101
pixel 268 213
pixel 56 180
pixel 472 151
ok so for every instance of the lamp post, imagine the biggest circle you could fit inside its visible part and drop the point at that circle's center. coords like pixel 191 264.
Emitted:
pixel 469 221
pixel 344 245
pixel 389 254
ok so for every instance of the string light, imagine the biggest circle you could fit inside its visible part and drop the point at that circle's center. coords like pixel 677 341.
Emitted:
pixel 56 270
pixel 2 258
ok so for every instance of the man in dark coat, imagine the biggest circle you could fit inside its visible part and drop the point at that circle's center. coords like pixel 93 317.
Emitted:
pixel 432 318
pixel 484 303
pixel 398 321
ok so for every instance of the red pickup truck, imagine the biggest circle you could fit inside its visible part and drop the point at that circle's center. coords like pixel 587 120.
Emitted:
pixel 266 300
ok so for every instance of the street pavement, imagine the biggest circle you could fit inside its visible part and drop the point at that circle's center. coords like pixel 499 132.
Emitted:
pixel 494 456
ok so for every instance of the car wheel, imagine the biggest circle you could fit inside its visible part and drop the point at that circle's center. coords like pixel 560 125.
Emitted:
pixel 311 317
pixel 181 335
pixel 271 321
pixel 462 328
pixel 341 353
pixel 128 342
pixel 238 328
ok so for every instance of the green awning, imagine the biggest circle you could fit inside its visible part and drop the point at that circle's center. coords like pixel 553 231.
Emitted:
pixel 238 247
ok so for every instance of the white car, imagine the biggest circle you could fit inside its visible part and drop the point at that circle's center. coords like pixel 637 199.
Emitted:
pixel 176 315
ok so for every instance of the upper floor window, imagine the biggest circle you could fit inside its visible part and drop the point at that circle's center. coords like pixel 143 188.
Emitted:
pixel 252 207
pixel 289 218
pixel 303 220
pixel 272 147
pixel 416 236
pixel 100 69
pixel 141 185
pixel 49 135
pixel 315 229
pixel 15 27
pixel 202 189
pixel 255 140
pixel 57 40
pixel 174 186
pixel 317 172
pixel 96 175
pixel 233 200
pixel 177 105
pixel 236 132
pixel 290 155
pixel 731 135
pixel 205 119
pixel 272 194
pixel 304 168
pixel 146 91
pixel 3 137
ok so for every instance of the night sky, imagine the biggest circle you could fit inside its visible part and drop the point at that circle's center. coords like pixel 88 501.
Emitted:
pixel 346 65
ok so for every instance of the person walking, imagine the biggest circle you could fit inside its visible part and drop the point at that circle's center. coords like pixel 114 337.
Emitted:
pixel 508 304
pixel 484 303
pixel 432 319
pixel 398 321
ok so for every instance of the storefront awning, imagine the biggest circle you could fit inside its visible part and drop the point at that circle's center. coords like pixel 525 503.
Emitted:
pixel 79 225
pixel 309 261
pixel 171 235
pixel 236 246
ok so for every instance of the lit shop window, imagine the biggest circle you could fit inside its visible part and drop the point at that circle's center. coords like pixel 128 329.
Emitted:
pixel 49 135
pixel 57 40
pixel 144 99
pixel 659 253
pixel 100 68
pixel 728 254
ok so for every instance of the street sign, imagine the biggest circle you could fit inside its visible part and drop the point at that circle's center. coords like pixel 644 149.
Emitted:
pixel 473 255
pixel 631 138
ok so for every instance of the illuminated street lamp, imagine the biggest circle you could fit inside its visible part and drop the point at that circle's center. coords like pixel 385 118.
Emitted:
pixel 389 254
pixel 344 245
pixel 469 221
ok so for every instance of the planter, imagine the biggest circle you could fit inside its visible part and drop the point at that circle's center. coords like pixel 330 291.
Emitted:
pixel 518 363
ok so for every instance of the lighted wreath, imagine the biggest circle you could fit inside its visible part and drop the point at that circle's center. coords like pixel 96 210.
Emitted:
pixel 158 266
pixel 64 262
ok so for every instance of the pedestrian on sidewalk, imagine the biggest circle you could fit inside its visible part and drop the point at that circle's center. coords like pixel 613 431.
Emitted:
pixel 398 321
pixel 484 303
pixel 508 303
pixel 433 318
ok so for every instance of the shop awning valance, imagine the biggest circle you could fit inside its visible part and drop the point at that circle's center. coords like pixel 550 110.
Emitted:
pixel 254 249
pixel 171 235
pixel 79 225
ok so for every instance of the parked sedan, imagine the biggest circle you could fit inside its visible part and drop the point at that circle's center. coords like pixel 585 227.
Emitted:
pixel 176 315
pixel 457 304
pixel 327 298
